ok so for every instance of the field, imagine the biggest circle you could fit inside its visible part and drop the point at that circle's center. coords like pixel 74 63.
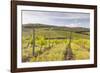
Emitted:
pixel 53 43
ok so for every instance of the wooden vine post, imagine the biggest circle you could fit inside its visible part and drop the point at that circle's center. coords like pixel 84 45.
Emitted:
pixel 33 41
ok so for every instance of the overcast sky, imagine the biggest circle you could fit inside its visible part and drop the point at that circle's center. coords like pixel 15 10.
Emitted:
pixel 69 19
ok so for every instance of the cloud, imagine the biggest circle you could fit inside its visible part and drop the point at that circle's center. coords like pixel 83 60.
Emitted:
pixel 72 25
pixel 71 19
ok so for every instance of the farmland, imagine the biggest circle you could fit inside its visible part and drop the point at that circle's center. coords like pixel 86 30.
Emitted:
pixel 53 43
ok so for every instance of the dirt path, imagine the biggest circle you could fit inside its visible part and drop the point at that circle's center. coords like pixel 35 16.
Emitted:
pixel 69 53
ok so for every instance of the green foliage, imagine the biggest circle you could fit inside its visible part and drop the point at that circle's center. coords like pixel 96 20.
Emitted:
pixel 79 50
pixel 53 49
pixel 40 41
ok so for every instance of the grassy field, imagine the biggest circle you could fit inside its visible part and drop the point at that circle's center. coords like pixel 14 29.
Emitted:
pixel 53 45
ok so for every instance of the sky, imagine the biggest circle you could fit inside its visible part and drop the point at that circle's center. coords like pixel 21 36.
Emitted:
pixel 68 19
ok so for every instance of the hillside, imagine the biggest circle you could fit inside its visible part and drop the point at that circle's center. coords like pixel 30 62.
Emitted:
pixel 53 27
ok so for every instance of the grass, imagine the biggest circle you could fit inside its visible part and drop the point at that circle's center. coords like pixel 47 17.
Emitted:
pixel 54 50
pixel 80 53
pixel 56 53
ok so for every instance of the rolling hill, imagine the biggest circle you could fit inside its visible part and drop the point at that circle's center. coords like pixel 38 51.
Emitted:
pixel 53 27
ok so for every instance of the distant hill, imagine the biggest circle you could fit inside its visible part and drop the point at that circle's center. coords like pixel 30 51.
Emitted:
pixel 53 27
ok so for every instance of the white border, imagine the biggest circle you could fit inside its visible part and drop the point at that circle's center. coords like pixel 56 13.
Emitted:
pixel 55 63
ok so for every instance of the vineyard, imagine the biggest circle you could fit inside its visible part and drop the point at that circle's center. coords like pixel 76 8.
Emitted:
pixel 54 44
